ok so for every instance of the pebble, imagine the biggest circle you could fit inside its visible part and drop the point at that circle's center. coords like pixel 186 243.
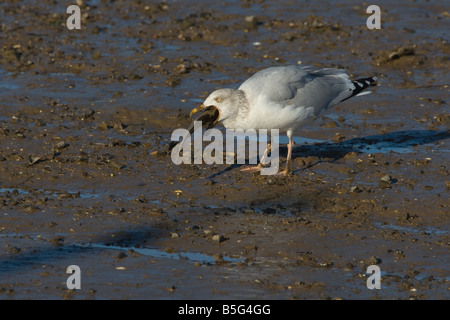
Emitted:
pixel 61 144
pixel 103 126
pixel 172 288
pixel 14 250
pixel 218 238
pixel 208 233
pixel 330 124
pixel 252 20
pixel 57 241
pixel 181 69
pixel 116 165
pixel 373 260
pixel 386 178
pixel 121 255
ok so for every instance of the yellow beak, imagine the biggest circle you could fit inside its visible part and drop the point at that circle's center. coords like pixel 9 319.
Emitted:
pixel 195 110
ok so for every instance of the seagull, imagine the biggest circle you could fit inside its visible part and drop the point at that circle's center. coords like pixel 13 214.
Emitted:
pixel 283 98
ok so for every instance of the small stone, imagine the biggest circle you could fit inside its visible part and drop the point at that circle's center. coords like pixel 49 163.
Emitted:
pixel 118 143
pixel 330 124
pixel 373 260
pixel 57 241
pixel 208 233
pixel 121 255
pixel 172 288
pixel 64 195
pixel 173 82
pixel 338 137
pixel 103 126
pixel 14 250
pixel 251 20
pixel 386 178
pixel 119 126
pixel 181 69
pixel 288 36
pixel 116 165
pixel 170 250
pixel 349 267
pixel 61 144
pixel 218 238
pixel 174 235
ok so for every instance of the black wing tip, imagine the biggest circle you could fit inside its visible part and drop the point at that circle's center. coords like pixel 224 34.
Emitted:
pixel 364 83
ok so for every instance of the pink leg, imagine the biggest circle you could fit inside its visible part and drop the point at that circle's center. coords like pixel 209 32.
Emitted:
pixel 258 167
pixel 290 145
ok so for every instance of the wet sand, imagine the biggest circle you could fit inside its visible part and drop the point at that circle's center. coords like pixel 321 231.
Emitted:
pixel 85 122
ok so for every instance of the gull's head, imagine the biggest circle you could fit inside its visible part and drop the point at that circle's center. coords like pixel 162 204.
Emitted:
pixel 220 105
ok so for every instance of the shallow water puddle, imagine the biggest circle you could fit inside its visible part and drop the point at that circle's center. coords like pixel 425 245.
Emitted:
pixel 53 192
pixel 71 194
pixel 411 229
pixel 157 253
pixel 193 257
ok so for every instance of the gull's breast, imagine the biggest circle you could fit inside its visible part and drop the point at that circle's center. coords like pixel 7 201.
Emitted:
pixel 272 116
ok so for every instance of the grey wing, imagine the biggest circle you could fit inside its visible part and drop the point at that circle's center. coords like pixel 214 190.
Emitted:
pixel 300 86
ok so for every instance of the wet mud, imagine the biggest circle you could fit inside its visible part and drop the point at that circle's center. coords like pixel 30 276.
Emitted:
pixel 86 118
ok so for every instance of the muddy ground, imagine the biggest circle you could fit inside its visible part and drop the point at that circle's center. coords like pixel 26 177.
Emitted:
pixel 85 121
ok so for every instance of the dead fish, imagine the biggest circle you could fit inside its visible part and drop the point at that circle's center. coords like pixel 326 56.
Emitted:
pixel 209 117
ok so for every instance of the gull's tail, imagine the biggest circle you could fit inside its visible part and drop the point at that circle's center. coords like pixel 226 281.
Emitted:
pixel 361 85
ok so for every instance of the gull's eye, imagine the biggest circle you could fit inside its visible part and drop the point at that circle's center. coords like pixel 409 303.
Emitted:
pixel 218 99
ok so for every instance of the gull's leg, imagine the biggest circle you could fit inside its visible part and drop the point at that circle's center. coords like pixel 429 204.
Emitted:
pixel 290 145
pixel 259 166
pixel 263 158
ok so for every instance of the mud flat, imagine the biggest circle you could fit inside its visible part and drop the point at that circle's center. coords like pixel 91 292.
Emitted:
pixel 85 121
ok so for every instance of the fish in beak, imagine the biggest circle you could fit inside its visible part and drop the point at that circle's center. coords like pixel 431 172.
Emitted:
pixel 209 116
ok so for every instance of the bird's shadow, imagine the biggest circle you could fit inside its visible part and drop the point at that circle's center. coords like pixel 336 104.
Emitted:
pixel 396 141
